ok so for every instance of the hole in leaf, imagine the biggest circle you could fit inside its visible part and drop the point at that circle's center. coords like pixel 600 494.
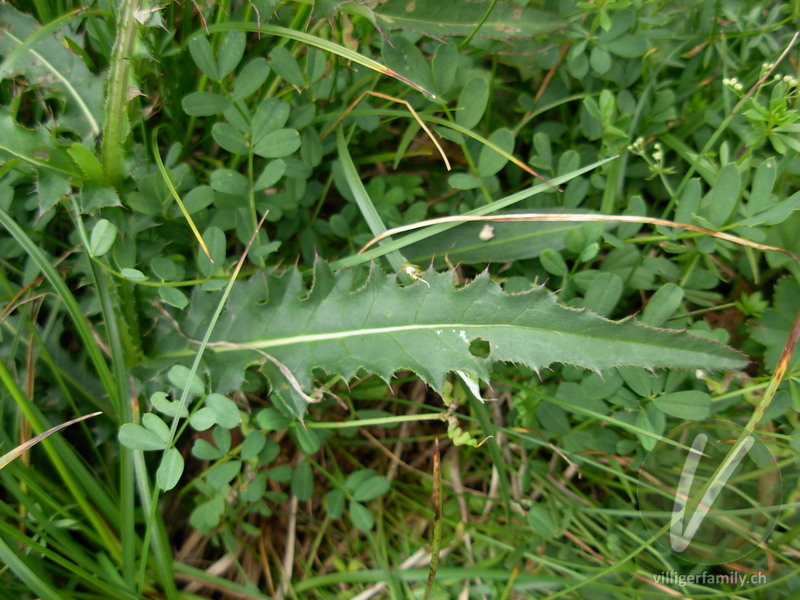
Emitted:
pixel 254 381
pixel 480 348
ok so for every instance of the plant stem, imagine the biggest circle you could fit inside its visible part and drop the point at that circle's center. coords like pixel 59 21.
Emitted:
pixel 114 128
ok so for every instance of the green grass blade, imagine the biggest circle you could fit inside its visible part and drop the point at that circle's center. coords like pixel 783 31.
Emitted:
pixel 185 392
pixel 168 180
pixel 75 311
pixel 317 42
pixel 363 200
pixel 59 454
pixel 27 575
pixel 483 210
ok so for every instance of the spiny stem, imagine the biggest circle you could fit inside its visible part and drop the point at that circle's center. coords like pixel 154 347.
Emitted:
pixel 117 94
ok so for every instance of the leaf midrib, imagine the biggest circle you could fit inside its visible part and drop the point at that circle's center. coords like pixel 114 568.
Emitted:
pixel 349 333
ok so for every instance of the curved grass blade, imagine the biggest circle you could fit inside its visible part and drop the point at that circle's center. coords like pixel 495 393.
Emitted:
pixel 483 210
pixel 185 392
pixel 317 42
pixel 165 174
pixel 22 448
pixel 74 310
pixel 20 568
pixel 392 99
pixel 363 200
pixel 478 138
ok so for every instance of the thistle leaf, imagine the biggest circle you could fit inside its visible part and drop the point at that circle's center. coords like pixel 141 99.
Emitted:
pixel 427 327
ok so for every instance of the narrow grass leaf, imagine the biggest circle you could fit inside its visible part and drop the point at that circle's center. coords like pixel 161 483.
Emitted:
pixel 367 255
pixel 436 531
pixel 165 174
pixel 22 448
pixel 364 202
pixel 318 42
pixel 29 576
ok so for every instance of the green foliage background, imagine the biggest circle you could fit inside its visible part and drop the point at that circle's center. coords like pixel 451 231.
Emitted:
pixel 254 441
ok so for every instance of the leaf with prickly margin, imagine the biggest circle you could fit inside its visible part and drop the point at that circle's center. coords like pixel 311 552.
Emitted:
pixel 34 146
pixel 53 67
pixel 428 327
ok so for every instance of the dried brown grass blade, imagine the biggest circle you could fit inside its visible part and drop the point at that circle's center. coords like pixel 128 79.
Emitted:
pixel 391 99
pixel 22 448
